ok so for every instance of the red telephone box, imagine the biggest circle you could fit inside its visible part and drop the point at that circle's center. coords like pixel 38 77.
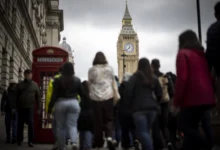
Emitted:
pixel 46 63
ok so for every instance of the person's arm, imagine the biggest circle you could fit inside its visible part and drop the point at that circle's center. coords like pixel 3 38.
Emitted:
pixel 49 94
pixel 38 97
pixel 54 96
pixel 91 75
pixel 181 81
pixel 158 90
pixel 3 101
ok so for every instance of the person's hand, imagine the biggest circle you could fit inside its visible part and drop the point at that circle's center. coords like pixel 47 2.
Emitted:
pixel 175 110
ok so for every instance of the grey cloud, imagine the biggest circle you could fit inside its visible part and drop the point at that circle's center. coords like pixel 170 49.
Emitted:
pixel 170 17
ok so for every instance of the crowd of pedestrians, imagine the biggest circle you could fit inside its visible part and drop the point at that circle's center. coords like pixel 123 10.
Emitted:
pixel 147 110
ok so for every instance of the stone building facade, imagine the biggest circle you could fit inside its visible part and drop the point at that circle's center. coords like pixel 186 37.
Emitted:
pixel 24 26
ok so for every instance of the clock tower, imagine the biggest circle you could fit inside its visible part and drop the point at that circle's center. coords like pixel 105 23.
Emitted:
pixel 127 46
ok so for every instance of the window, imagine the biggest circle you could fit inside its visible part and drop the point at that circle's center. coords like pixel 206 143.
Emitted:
pixel 28 46
pixel 14 17
pixel 22 33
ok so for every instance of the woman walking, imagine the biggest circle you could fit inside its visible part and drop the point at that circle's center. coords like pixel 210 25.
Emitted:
pixel 101 78
pixel 139 91
pixel 194 90
pixel 85 124
pixel 67 109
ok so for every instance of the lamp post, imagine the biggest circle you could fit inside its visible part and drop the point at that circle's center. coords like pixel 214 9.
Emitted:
pixel 199 20
pixel 124 55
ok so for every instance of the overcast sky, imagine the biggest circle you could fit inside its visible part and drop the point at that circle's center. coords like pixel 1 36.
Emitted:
pixel 94 25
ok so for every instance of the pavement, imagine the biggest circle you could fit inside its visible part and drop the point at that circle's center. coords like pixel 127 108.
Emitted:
pixel 4 146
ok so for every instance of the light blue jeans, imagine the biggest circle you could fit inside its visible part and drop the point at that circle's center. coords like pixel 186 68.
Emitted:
pixel 66 114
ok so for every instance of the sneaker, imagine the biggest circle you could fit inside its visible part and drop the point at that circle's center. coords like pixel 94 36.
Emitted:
pixel 136 145
pixel 111 145
pixel 30 145
pixel 169 146
pixel 55 147
pixel 74 147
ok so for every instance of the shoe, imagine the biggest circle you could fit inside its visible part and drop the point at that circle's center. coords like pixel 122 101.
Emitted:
pixel 111 145
pixel 13 141
pixel 136 145
pixel 7 142
pixel 74 147
pixel 30 145
pixel 170 146
pixel 19 143
pixel 55 147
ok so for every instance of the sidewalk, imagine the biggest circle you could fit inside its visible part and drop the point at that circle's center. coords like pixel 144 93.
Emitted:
pixel 4 146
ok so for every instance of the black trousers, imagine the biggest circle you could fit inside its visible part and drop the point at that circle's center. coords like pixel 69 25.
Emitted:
pixel 164 121
pixel 127 130
pixel 25 115
pixel 102 121
pixel 189 120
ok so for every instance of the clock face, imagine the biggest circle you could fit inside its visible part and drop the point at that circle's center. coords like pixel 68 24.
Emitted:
pixel 129 47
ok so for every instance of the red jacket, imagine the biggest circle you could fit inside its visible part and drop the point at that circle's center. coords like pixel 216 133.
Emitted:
pixel 194 82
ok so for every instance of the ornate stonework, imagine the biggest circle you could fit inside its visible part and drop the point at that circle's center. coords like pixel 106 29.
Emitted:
pixel 22 29
pixel 127 46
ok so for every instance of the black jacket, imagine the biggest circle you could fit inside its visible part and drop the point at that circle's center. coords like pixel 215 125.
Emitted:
pixel 60 92
pixel 8 101
pixel 123 105
pixel 85 122
pixel 28 94
pixel 213 45
pixel 140 95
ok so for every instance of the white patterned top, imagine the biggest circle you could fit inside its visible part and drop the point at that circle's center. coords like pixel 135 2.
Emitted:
pixel 101 79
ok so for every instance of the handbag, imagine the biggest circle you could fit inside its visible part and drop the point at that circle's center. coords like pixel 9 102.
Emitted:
pixel 116 95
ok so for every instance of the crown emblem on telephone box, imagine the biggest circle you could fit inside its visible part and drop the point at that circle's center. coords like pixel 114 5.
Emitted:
pixel 50 51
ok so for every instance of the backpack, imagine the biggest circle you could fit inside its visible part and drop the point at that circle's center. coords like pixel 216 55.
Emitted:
pixel 164 85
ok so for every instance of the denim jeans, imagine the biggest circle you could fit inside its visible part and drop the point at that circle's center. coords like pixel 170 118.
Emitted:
pixel 66 114
pixel 117 129
pixel 85 138
pixel 11 124
pixel 143 122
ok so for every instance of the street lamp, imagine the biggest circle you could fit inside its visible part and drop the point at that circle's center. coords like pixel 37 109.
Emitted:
pixel 199 20
pixel 124 66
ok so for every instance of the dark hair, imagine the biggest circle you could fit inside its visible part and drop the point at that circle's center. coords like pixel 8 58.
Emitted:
pixel 27 71
pixel 100 59
pixel 188 39
pixel 61 69
pixel 145 69
pixel 155 63
pixel 217 10
pixel 85 85
pixel 116 78
pixel 67 75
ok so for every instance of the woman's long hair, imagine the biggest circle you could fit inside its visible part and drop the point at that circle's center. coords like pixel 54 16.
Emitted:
pixel 189 40
pixel 99 59
pixel 67 75
pixel 145 69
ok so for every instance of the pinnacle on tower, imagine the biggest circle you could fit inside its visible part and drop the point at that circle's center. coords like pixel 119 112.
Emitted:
pixel 127 15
